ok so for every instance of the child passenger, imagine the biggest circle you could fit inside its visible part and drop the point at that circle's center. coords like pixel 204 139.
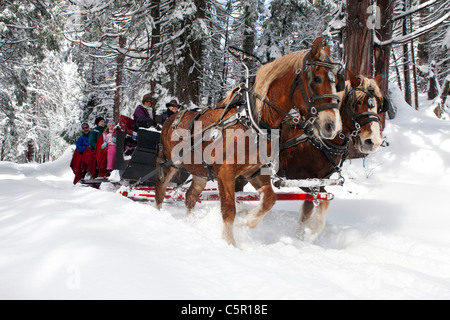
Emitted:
pixel 109 138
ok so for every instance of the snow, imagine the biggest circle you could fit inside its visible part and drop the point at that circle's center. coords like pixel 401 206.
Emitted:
pixel 387 234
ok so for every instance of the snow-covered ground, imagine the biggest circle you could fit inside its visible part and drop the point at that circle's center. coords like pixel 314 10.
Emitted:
pixel 387 235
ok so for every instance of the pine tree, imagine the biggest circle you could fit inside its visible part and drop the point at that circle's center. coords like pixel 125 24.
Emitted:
pixel 27 33
pixel 294 25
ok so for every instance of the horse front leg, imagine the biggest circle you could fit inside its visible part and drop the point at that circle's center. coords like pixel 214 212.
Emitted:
pixel 194 191
pixel 311 226
pixel 161 186
pixel 267 200
pixel 226 184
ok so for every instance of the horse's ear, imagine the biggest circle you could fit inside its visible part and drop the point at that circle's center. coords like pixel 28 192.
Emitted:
pixel 379 79
pixel 327 50
pixel 355 81
pixel 316 48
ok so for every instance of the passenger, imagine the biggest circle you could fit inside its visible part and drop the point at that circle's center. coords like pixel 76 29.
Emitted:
pixel 83 141
pixel 172 108
pixel 82 155
pixel 145 116
pixel 96 132
pixel 109 138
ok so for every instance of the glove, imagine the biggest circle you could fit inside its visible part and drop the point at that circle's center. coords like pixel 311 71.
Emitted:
pixel 104 145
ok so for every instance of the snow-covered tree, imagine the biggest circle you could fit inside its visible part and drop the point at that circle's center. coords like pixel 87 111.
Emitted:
pixel 294 25
pixel 26 35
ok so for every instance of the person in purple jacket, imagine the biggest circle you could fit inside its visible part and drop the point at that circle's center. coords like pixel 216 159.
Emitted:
pixel 145 115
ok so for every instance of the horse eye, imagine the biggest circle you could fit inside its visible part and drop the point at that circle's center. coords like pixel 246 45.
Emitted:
pixel 359 102
pixel 318 79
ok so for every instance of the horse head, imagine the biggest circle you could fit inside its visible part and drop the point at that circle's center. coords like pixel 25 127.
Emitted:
pixel 360 109
pixel 305 81
pixel 319 93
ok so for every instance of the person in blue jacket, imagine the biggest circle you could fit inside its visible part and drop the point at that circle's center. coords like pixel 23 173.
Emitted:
pixel 83 141
pixel 81 158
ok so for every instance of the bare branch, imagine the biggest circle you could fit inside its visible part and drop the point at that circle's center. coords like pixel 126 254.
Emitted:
pixel 414 35
pixel 414 10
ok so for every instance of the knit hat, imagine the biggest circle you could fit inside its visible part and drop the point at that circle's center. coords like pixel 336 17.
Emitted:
pixel 111 121
pixel 98 119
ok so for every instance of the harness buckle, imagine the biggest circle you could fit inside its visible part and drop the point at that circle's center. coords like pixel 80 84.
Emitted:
pixel 357 130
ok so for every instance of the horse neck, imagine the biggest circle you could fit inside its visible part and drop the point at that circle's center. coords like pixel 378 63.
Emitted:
pixel 278 95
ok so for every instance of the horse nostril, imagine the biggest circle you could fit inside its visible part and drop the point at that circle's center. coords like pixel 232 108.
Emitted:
pixel 369 142
pixel 330 126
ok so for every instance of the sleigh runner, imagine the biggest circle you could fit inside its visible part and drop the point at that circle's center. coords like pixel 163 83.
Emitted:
pixel 212 194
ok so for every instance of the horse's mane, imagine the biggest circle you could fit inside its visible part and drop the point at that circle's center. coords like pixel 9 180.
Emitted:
pixel 276 69
pixel 268 73
pixel 229 98
pixel 266 76
pixel 365 83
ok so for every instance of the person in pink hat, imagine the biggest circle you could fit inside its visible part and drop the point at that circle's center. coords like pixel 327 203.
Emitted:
pixel 109 138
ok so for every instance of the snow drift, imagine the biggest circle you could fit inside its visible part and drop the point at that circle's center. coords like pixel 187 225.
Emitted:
pixel 387 235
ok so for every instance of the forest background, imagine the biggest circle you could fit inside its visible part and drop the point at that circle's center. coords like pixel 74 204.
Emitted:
pixel 64 62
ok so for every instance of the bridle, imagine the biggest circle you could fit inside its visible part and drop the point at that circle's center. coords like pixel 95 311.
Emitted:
pixel 349 106
pixel 303 80
pixel 310 98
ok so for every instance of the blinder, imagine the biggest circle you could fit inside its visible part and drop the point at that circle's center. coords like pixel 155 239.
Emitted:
pixel 311 98
pixel 340 86
pixel 371 102
pixel 384 107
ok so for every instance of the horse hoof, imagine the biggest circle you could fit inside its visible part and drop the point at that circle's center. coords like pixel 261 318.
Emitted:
pixel 305 234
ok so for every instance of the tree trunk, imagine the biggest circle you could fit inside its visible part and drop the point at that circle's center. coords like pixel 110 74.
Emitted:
pixel 361 56
pixel 383 54
pixel 406 72
pixel 155 38
pixel 119 79
pixel 31 149
pixel 422 48
pixel 187 87
pixel 433 90
pixel 445 92
pixel 248 43
pixel 358 41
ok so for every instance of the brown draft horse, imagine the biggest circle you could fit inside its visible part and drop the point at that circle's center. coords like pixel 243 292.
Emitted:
pixel 361 104
pixel 299 81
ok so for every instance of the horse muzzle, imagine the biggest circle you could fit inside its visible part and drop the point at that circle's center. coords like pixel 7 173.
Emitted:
pixel 369 145
pixel 330 124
